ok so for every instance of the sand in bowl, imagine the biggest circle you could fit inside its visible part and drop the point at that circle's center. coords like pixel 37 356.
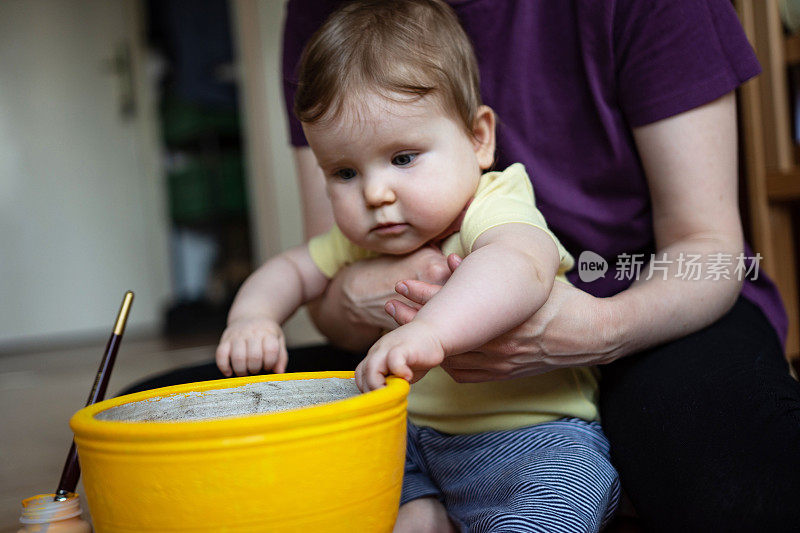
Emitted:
pixel 250 399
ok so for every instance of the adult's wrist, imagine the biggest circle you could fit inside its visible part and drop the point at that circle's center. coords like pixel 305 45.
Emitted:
pixel 339 315
pixel 327 316
pixel 614 323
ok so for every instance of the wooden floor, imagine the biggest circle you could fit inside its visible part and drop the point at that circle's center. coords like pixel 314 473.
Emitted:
pixel 39 392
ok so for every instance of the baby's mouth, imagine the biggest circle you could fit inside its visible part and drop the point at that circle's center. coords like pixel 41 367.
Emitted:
pixel 390 228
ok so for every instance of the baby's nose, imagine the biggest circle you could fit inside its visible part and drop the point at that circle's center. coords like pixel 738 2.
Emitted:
pixel 378 191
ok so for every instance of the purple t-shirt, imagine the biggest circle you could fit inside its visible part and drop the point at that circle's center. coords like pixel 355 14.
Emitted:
pixel 568 80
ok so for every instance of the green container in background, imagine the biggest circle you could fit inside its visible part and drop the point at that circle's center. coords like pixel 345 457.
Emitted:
pixel 205 189
pixel 232 190
pixel 185 123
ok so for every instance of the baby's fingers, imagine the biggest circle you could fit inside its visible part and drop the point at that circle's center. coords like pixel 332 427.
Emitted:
pixel 360 376
pixel 371 371
pixel 255 355
pixel 223 357
pixel 283 359
pixel 374 371
pixel 363 370
pixel 239 357
pixel 273 353
pixel 398 366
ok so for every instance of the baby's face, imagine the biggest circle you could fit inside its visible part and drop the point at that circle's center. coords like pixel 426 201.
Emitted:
pixel 398 174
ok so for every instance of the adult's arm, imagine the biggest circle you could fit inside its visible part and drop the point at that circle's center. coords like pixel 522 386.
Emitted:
pixel 691 165
pixel 690 161
pixel 351 311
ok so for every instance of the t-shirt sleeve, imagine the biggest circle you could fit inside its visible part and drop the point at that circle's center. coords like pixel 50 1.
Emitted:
pixel 674 55
pixel 506 198
pixel 303 18
pixel 332 250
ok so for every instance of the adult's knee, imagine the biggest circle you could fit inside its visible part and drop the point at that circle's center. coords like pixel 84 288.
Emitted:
pixel 705 430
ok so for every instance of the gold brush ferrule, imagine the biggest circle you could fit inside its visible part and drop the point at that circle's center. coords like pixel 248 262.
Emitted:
pixel 122 317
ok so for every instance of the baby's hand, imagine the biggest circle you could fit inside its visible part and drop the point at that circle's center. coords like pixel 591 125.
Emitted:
pixel 407 352
pixel 250 344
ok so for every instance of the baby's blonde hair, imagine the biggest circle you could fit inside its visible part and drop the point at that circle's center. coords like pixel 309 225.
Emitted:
pixel 395 48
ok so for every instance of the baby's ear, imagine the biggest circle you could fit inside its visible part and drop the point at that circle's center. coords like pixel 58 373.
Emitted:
pixel 483 138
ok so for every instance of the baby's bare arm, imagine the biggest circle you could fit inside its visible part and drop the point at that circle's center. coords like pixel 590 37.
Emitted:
pixel 505 279
pixel 279 287
pixel 253 339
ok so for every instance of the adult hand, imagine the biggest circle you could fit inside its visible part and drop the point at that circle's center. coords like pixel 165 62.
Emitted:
pixel 367 285
pixel 573 328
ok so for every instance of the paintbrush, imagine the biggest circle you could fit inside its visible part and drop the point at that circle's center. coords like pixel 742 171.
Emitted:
pixel 72 469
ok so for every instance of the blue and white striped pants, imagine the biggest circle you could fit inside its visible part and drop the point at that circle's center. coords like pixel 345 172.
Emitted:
pixel 549 477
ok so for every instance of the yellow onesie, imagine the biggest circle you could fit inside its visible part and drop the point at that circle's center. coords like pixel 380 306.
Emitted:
pixel 436 400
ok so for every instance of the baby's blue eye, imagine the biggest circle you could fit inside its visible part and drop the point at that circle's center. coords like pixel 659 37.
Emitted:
pixel 345 174
pixel 402 160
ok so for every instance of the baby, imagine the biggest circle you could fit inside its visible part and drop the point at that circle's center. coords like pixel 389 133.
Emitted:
pixel 390 104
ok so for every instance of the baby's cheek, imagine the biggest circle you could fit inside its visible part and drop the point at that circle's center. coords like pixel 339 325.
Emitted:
pixel 351 229
pixel 349 221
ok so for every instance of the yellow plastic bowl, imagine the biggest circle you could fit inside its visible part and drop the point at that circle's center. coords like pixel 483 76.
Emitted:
pixel 331 467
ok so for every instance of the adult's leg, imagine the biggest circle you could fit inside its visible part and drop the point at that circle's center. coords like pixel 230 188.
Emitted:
pixel 705 431
pixel 306 359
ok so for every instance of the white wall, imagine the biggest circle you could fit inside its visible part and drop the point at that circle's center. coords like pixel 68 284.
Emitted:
pixel 81 205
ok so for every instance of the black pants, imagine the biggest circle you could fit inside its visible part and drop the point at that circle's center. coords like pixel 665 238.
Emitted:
pixel 705 431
